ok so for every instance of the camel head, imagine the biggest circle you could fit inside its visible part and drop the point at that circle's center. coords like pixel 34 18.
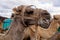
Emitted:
pixel 26 14
pixel 57 17
pixel 31 16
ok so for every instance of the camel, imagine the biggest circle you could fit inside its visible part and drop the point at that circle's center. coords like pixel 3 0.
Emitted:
pixel 57 35
pixel 29 14
pixel 45 34
pixel 24 24
pixel 43 15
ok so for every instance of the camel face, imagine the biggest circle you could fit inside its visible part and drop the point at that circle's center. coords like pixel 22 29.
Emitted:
pixel 44 19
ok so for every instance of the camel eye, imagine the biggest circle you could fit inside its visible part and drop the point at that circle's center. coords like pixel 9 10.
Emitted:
pixel 29 12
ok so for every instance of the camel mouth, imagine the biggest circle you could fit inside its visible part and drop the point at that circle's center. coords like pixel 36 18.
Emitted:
pixel 44 20
pixel 44 23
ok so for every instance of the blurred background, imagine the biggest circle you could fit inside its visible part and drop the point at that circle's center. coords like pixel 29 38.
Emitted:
pixel 53 6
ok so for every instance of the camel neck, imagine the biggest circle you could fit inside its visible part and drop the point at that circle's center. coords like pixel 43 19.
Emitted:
pixel 54 25
pixel 16 30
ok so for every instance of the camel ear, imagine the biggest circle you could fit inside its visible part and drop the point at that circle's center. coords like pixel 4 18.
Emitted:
pixel 14 9
pixel 55 17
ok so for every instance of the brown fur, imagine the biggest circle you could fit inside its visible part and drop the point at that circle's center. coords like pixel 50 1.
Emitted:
pixel 57 17
pixel 15 32
pixel 33 14
pixel 55 37
pixel 44 15
pixel 45 34
pixel 19 27
pixel 45 19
